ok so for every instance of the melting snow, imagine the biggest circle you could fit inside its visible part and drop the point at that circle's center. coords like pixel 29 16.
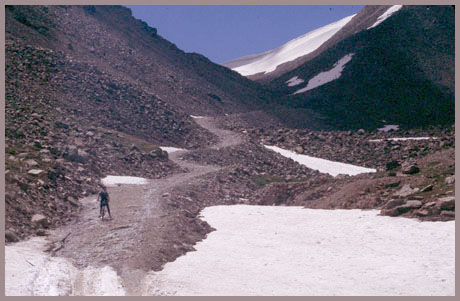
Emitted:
pixel 402 139
pixel 29 271
pixel 389 127
pixel 386 15
pixel 322 165
pixel 114 180
pixel 171 149
pixel 294 81
pixel 272 250
pixel 293 49
pixel 327 76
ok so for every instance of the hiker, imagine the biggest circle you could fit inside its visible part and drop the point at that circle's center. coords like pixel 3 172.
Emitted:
pixel 104 198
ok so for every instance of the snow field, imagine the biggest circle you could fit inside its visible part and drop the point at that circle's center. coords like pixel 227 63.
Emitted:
pixel 294 81
pixel 115 180
pixel 268 250
pixel 293 49
pixel 322 165
pixel 386 15
pixel 171 149
pixel 327 76
pixel 402 139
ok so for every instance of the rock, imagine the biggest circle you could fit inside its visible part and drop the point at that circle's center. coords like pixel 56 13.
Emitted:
pixel 413 204
pixel 10 236
pixel 35 172
pixel 31 162
pixel 429 204
pixel 406 190
pixel 299 149
pixel 448 213
pixel 450 180
pixel 427 188
pixel 393 203
pixel 41 220
pixel 423 212
pixel 361 132
pixel 390 212
pixel 392 165
pixel 447 203
pixel 410 170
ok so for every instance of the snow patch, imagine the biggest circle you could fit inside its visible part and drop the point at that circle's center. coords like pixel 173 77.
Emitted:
pixel 268 61
pixel 274 250
pixel 402 139
pixel 115 180
pixel 386 15
pixel 389 127
pixel 322 165
pixel 294 81
pixel 197 117
pixel 327 76
pixel 171 149
pixel 30 271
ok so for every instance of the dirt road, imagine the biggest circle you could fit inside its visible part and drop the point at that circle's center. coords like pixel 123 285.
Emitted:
pixel 142 225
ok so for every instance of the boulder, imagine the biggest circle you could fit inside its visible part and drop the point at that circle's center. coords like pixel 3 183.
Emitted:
pixel 450 180
pixel 299 149
pixel 393 203
pixel 423 212
pixel 31 162
pixel 35 172
pixel 406 190
pixel 411 169
pixel 413 204
pixel 447 203
pixel 427 188
pixel 41 220
pixel 447 213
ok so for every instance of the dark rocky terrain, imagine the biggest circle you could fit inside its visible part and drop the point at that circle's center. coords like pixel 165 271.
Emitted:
pixel 84 101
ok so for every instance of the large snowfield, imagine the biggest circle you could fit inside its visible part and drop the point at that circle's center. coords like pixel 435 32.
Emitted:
pixel 293 49
pixel 270 250
pixel 386 15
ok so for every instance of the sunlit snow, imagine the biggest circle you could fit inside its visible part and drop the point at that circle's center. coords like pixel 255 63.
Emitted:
pixel 293 49
pixel 114 180
pixel 389 127
pixel 327 76
pixel 273 250
pixel 294 81
pixel 386 15
pixel 322 165
pixel 402 139
pixel 171 149
pixel 196 117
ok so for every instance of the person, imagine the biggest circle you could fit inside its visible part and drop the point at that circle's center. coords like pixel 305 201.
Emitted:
pixel 104 198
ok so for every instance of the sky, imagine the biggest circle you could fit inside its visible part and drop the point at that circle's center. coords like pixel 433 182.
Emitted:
pixel 226 32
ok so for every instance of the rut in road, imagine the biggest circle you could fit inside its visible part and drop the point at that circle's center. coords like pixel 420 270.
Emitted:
pixel 130 241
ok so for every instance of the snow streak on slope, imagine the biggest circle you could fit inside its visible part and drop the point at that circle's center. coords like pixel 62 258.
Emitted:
pixel 327 76
pixel 322 165
pixel 268 61
pixel 294 81
pixel 115 180
pixel 386 15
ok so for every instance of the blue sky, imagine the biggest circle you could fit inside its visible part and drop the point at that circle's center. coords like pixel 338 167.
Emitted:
pixel 226 32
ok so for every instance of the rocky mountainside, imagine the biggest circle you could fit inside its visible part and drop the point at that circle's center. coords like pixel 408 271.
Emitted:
pixel 92 91
pixel 398 72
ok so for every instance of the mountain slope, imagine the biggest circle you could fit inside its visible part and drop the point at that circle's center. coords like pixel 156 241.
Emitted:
pixel 92 91
pixel 273 63
pixel 400 72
